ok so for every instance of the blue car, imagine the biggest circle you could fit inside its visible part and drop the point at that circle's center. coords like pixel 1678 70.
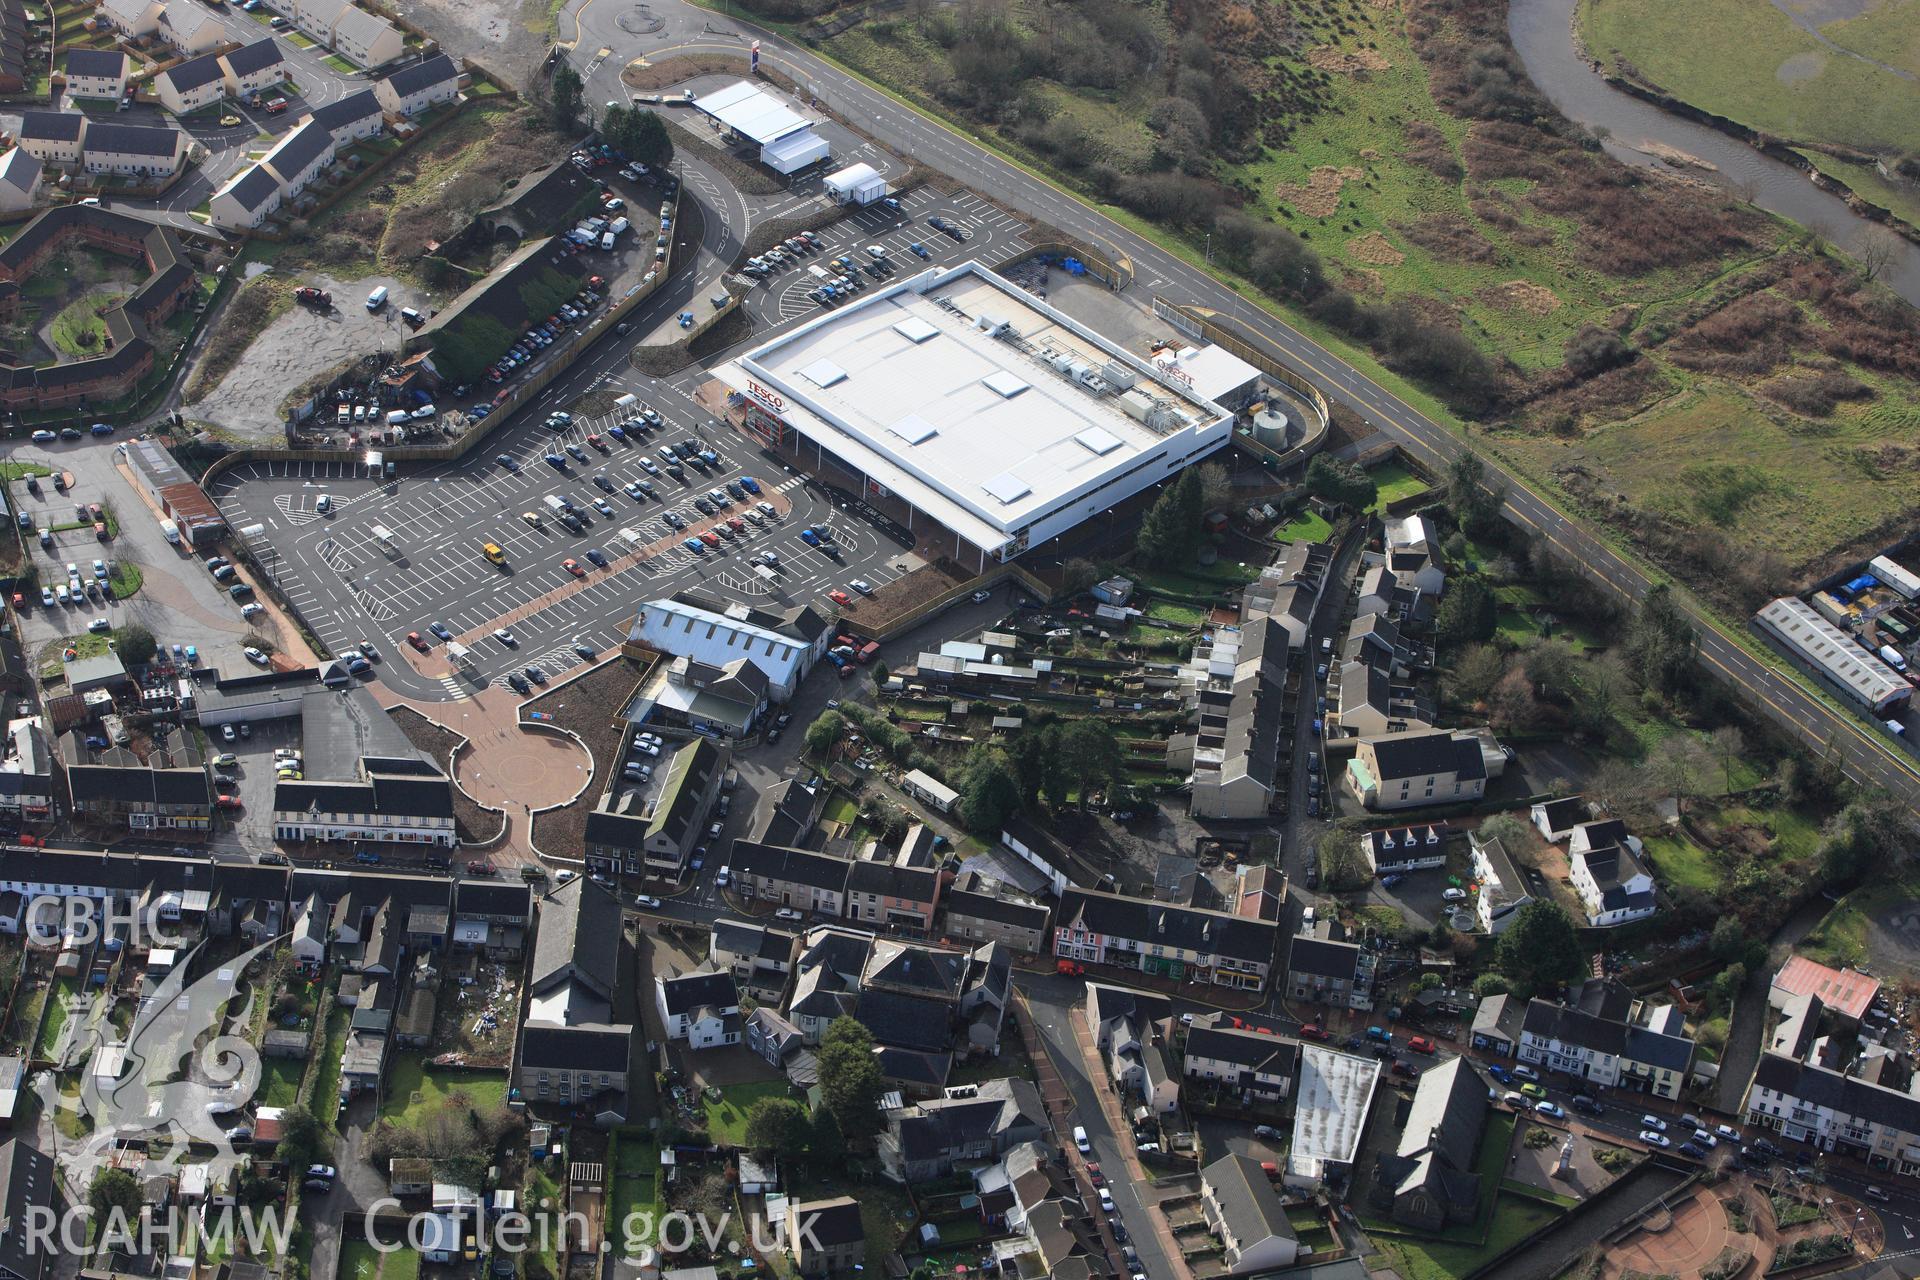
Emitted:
pixel 1500 1073
pixel 749 484
pixel 597 556
pixel 618 433
pixel 557 462
pixel 809 537
pixel 695 545
pixel 102 429
pixel 506 460
pixel 919 250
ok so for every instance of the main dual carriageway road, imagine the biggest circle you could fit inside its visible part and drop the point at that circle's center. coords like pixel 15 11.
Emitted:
pixel 381 557
pixel 1765 684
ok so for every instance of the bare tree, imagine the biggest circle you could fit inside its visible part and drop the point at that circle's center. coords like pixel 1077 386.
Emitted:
pixel 1729 744
pixel 1876 247
pixel 1216 487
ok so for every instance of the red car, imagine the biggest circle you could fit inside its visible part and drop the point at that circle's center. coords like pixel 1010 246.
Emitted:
pixel 1068 969
pixel 1094 1175
pixel 276 105
pixel 599 444
pixel 736 524
pixel 839 597
pixel 413 638
pixel 1420 1044
pixel 479 868
pixel 1404 1069
pixel 226 802
pixel 1312 1032
pixel 711 538
pixel 573 567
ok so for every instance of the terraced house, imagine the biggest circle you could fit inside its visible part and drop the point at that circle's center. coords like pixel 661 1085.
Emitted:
pixel 1608 1036
pixel 132 151
pixel 1166 940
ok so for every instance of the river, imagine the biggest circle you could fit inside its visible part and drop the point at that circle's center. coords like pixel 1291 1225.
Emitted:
pixel 1542 33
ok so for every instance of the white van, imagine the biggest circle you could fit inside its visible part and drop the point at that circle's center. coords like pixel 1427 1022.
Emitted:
pixel 606 240
pixel 620 226
pixel 425 413
pixel 396 417
pixel 377 299
pixel 170 531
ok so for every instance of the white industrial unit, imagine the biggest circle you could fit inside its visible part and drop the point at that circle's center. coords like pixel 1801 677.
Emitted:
pixel 857 184
pixel 978 405
pixel 1833 654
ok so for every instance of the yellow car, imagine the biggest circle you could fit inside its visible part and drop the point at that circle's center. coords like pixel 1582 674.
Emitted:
pixel 229 121
pixel 494 552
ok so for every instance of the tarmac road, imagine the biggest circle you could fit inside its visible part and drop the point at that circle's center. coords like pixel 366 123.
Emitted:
pixel 688 29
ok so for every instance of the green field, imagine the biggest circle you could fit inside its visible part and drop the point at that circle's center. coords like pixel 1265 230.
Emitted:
pixel 1514 1219
pixel 1307 526
pixel 1750 62
pixel 79 332
pixel 413 1089
pixel 1776 483
pixel 1394 483
pixel 280 1081
pixel 727 1117
pixel 1680 862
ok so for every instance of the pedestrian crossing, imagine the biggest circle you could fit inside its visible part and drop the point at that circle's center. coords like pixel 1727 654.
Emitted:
pixel 788 485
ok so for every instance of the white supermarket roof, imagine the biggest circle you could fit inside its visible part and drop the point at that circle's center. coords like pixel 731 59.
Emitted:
pixel 752 112
pixel 947 388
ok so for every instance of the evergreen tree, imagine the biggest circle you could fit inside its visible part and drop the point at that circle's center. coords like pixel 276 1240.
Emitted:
pixel 1170 534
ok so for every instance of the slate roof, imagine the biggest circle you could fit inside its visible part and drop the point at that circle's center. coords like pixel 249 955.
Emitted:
pixel 989 906
pixel 578 937
pixel 834 1222
pixel 914 1066
pixel 692 991
pixel 906 1022
pixel 96 64
pixel 1325 958
pixel 299 149
pixel 1449 1111
pixel 254 186
pixel 1818 1087
pixel 1164 924
pixel 1566 813
pixel 131 140
pixel 258 56
pixel 1247 1200
pixel 1417 755
pixel 1000 1107
pixel 589 1046
pixel 1252 1052
pixel 19 169
pixel 913 884
pixel 408 81
pixel 194 73
pixel 51 126
pixel 348 110
pixel 919 970
pixel 139 784
pixel 796 866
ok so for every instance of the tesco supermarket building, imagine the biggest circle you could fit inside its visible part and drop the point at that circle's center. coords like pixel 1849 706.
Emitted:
pixel 982 409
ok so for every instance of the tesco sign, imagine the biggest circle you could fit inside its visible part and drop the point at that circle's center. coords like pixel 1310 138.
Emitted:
pixel 765 398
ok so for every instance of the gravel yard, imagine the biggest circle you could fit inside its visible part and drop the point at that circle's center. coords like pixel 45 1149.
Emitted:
pixel 298 345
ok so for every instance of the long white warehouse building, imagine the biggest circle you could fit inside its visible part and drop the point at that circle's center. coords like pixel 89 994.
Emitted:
pixel 1832 654
pixel 983 409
